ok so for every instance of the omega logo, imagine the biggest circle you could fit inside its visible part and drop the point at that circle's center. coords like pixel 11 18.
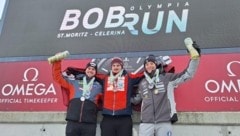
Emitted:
pixel 222 87
pixel 230 72
pixel 29 87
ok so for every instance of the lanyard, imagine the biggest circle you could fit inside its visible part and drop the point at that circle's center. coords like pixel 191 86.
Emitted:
pixel 87 87
pixel 112 77
pixel 152 81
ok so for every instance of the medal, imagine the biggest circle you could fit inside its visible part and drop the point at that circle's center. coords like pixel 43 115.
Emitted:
pixel 82 98
pixel 156 91
pixel 150 86
pixel 145 96
pixel 110 87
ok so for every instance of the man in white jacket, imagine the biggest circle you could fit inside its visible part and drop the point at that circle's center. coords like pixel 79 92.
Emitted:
pixel 156 91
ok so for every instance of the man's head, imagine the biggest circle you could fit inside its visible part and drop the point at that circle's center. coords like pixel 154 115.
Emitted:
pixel 91 69
pixel 150 64
pixel 116 65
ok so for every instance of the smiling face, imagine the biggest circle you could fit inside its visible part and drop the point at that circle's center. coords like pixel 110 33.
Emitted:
pixel 90 72
pixel 116 68
pixel 150 66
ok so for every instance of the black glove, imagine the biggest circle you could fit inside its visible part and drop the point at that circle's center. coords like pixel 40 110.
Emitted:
pixel 197 47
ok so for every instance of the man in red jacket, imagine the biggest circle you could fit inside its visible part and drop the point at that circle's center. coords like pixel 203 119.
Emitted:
pixel 117 110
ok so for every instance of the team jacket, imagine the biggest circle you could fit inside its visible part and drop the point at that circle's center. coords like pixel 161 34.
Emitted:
pixel 116 100
pixel 79 111
pixel 160 106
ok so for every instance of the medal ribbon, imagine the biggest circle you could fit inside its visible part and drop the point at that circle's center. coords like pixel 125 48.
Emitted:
pixel 154 79
pixel 112 77
pixel 87 86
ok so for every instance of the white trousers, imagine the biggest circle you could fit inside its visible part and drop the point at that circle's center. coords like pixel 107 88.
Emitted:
pixel 159 129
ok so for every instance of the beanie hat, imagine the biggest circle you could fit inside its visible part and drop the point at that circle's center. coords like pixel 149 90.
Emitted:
pixel 150 58
pixel 92 64
pixel 117 60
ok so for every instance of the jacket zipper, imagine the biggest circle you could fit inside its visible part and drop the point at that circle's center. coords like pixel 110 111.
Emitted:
pixel 114 102
pixel 81 112
pixel 153 108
